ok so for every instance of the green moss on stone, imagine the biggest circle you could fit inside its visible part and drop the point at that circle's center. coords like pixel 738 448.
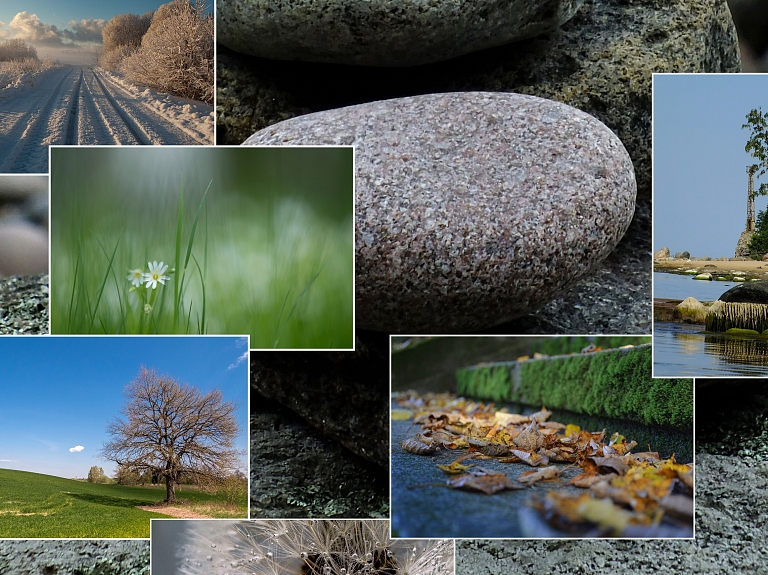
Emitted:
pixel 492 382
pixel 614 384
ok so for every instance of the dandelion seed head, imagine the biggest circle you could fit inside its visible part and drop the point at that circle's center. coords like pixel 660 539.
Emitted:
pixel 311 547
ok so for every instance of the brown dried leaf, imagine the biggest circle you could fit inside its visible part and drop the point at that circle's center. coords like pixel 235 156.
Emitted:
pixel 418 447
pixel 532 459
pixel 547 473
pixel 488 484
pixel 612 464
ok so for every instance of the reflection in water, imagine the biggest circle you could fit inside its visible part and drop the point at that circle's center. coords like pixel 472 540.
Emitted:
pixel 737 350
pixel 685 350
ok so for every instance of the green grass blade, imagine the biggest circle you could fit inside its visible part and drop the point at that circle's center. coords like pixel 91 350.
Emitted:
pixel 106 277
pixel 295 304
pixel 176 279
pixel 201 324
pixel 72 296
pixel 194 225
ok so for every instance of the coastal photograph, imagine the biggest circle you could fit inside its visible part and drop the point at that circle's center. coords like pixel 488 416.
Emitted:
pixel 710 232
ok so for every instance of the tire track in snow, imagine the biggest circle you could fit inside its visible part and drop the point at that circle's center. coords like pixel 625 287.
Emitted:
pixel 30 137
pixel 73 111
pixel 159 130
pixel 142 138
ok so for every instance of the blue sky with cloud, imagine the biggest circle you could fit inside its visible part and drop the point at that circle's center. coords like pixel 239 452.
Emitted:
pixel 57 394
pixel 68 30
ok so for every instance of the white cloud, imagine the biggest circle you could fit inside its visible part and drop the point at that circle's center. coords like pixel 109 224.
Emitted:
pixel 238 361
pixel 87 30
pixel 76 448
pixel 31 29
pixel 241 342
pixel 8 461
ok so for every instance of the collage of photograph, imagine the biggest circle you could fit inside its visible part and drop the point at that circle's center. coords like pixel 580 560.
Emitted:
pixel 383 287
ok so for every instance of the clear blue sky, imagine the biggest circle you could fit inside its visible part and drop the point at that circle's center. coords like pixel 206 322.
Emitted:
pixel 700 179
pixel 67 30
pixel 59 393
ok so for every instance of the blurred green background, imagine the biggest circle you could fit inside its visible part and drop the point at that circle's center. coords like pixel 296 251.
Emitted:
pixel 273 219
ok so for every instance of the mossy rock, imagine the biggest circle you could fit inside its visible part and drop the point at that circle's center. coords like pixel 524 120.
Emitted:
pixel 614 383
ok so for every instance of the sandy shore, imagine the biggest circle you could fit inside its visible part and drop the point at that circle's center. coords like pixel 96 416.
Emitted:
pixel 751 266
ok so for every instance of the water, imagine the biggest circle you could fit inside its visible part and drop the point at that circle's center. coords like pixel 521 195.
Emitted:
pixel 675 286
pixel 685 350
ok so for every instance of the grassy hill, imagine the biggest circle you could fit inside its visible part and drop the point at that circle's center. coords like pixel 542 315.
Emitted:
pixel 37 505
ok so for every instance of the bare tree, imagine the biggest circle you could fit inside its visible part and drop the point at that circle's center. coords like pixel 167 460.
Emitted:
pixel 170 429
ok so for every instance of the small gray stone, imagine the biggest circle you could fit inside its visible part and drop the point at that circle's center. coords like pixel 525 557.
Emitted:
pixel 472 208
pixel 382 32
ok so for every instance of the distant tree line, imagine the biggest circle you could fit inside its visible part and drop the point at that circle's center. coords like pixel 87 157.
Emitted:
pixel 17 50
pixel 170 50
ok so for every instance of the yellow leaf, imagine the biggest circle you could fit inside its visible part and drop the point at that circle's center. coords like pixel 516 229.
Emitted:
pixel 401 415
pixel 571 428
pixel 454 468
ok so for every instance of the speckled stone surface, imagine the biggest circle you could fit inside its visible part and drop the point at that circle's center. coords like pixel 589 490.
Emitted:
pixel 472 208
pixel 24 305
pixel 77 557
pixel 600 61
pixel 382 32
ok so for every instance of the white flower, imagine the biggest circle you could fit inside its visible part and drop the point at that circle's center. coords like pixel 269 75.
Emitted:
pixel 155 274
pixel 135 277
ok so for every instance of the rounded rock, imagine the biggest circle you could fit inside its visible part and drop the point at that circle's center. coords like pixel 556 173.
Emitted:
pixel 472 208
pixel 382 32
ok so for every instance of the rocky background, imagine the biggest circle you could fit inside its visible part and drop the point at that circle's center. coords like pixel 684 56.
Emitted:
pixel 590 62
pixel 320 432
pixel 77 557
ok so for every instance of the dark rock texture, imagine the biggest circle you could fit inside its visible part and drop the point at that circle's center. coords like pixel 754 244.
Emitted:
pixel 382 32
pixel 343 394
pixel 76 557
pixel 24 307
pixel 600 62
pixel 296 471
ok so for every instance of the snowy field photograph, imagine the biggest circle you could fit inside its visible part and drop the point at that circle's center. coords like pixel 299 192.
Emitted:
pixel 204 240
pixel 83 74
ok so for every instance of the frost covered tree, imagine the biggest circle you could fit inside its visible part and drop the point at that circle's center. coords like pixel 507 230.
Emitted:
pixel 121 37
pixel 17 49
pixel 176 53
pixel 170 430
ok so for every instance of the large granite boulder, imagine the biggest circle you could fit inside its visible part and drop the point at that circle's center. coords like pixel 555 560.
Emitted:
pixel 682 256
pixel 751 292
pixel 595 62
pixel 343 394
pixel 661 254
pixel 382 32
pixel 473 208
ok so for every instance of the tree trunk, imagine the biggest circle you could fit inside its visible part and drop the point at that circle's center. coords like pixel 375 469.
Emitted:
pixel 170 490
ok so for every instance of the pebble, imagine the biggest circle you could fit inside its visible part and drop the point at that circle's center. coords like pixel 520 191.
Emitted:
pixel 382 32
pixel 472 208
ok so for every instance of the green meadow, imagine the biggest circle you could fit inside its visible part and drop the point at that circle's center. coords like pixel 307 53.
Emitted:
pixel 256 241
pixel 35 505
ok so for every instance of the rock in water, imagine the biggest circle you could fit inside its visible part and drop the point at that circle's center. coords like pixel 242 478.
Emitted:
pixel 753 292
pixel 382 32
pixel 472 208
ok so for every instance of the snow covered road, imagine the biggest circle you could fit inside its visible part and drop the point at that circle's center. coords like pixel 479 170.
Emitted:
pixel 84 106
